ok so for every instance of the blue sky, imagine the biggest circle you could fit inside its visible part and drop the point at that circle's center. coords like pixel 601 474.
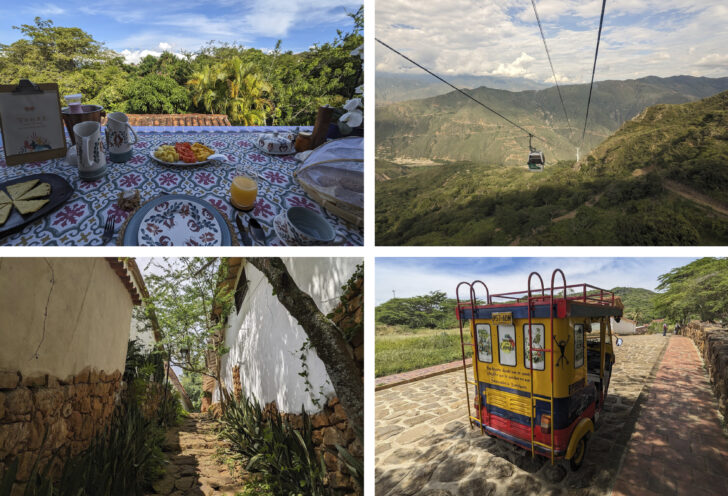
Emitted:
pixel 501 38
pixel 416 276
pixel 136 26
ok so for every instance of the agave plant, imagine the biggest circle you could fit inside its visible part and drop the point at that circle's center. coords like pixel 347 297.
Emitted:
pixel 286 457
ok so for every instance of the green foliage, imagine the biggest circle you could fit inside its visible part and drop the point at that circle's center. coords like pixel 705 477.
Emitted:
pixel 430 311
pixel 154 94
pixel 285 457
pixel 603 201
pixel 192 382
pixel 124 459
pixel 406 350
pixel 697 290
pixel 250 86
pixel 189 306
pixel 638 303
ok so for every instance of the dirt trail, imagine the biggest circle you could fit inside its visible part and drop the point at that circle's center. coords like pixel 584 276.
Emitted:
pixel 694 196
pixel 192 469
pixel 572 214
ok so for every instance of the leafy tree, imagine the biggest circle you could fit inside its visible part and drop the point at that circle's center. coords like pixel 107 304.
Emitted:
pixel 154 94
pixel 187 303
pixel 433 310
pixel 192 383
pixel 698 289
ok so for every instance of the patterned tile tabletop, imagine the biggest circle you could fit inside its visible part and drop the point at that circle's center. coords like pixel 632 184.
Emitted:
pixel 80 221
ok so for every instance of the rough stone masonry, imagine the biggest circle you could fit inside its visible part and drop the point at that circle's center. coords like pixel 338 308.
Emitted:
pixel 71 410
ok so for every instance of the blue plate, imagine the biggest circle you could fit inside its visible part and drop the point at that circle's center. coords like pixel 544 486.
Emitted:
pixel 131 234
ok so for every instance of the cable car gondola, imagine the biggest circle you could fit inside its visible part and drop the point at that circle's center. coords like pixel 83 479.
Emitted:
pixel 536 159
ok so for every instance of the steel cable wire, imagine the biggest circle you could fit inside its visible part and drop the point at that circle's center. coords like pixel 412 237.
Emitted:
pixel 558 88
pixel 459 90
pixel 594 69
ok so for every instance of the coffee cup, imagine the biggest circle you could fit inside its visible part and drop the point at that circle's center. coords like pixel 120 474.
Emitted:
pixel 300 226
pixel 118 141
pixel 89 150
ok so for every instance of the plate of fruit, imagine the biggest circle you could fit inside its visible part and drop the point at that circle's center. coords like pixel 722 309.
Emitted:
pixel 185 154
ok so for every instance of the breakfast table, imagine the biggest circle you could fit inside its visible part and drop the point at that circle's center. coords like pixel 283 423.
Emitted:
pixel 81 220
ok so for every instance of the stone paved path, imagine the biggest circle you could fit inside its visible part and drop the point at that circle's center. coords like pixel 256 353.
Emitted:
pixel 192 469
pixel 678 447
pixel 415 375
pixel 424 444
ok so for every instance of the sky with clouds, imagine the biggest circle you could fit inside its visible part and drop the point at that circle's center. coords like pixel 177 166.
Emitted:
pixel 417 276
pixel 501 38
pixel 139 27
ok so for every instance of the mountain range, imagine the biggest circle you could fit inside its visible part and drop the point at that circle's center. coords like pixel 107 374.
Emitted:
pixel 451 127
pixel 660 179
pixel 396 87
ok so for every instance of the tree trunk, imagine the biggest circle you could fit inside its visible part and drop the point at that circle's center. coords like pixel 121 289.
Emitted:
pixel 325 337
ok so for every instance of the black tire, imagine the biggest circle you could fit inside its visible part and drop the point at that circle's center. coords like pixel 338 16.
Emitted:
pixel 578 459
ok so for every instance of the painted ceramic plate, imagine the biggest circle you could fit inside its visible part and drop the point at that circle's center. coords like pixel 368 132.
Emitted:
pixel 180 163
pixel 177 220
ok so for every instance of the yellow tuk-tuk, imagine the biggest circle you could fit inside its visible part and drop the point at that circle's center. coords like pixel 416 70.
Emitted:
pixel 545 397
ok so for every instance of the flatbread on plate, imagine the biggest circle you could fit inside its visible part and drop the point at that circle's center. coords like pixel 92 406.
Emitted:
pixel 18 190
pixel 43 189
pixel 4 198
pixel 29 206
pixel 5 212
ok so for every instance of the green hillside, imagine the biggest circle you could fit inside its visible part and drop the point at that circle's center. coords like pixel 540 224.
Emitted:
pixel 638 303
pixel 450 127
pixel 662 179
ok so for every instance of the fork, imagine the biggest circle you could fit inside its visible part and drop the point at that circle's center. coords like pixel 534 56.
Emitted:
pixel 108 230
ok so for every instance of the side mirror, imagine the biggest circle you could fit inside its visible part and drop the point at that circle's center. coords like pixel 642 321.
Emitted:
pixel 619 341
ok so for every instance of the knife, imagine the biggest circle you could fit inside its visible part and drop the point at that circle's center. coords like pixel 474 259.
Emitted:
pixel 243 232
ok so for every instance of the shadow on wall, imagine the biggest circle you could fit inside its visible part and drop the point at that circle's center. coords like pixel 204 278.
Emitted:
pixel 267 340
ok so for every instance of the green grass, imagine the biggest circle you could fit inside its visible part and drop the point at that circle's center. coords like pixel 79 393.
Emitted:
pixel 399 350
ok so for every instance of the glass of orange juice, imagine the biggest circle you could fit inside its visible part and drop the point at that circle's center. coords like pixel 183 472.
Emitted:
pixel 244 189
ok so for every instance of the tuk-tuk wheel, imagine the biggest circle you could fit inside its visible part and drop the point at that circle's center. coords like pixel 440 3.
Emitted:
pixel 579 455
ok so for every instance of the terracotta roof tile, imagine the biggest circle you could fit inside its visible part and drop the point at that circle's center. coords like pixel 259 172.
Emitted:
pixel 176 120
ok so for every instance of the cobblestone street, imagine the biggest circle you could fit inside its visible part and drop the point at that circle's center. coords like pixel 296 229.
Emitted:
pixel 424 444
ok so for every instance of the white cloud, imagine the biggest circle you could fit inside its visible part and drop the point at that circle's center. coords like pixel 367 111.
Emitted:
pixel 412 277
pixel 136 56
pixel 714 60
pixel 488 37
pixel 516 68
pixel 46 9
pixel 164 46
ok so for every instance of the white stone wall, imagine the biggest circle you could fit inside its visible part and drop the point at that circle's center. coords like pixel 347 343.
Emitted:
pixel 87 321
pixel 264 339
pixel 624 326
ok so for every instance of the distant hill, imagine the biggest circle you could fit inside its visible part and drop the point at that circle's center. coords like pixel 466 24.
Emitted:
pixel 662 179
pixel 638 303
pixel 392 87
pixel 450 127
pixel 686 145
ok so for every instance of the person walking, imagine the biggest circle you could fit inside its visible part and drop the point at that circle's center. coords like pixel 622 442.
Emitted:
pixel 677 328
pixel 664 329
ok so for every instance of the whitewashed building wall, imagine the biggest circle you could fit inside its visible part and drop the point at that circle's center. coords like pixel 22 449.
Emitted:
pixel 264 339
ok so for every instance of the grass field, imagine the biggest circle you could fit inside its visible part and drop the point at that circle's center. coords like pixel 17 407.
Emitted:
pixel 401 350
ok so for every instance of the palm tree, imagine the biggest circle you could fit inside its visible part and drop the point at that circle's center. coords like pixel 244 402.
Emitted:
pixel 233 88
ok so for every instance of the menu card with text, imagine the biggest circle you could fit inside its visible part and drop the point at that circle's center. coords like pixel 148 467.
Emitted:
pixel 32 127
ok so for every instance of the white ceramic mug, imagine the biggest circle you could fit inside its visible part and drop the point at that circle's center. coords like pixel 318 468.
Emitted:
pixel 300 226
pixel 117 137
pixel 90 150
